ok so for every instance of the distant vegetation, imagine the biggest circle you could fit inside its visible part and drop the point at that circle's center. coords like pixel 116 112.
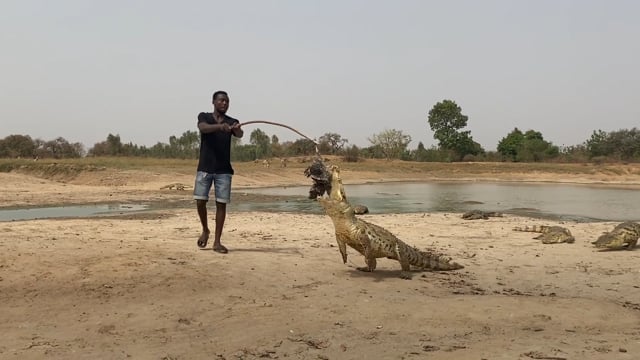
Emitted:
pixel 445 119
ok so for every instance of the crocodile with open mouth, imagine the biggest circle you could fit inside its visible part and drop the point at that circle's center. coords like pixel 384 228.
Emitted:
pixel 368 239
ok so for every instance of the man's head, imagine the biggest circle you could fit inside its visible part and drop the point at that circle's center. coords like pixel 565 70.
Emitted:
pixel 220 101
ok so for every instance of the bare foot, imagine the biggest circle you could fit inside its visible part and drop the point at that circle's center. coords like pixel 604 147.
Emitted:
pixel 203 239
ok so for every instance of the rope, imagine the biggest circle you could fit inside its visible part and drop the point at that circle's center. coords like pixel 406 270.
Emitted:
pixel 283 125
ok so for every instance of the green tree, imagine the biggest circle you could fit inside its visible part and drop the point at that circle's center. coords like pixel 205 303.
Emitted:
pixel 186 146
pixel 331 143
pixel 510 144
pixel 115 144
pixel 393 143
pixel 528 146
pixel 598 144
pixel 235 141
pixel 110 147
pixel 261 142
pixel 159 150
pixel 446 120
pixel 535 148
pixel 420 154
pixel 351 154
pixel 623 144
pixel 276 147
pixel 627 143
pixel 372 152
pixel 14 146
pixel 300 147
pixel 243 153
pixel 60 148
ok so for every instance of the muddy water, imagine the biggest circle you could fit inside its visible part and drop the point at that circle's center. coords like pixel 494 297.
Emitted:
pixel 559 201
pixel 553 201
pixel 67 211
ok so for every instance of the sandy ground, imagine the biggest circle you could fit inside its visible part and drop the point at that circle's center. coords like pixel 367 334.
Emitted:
pixel 136 286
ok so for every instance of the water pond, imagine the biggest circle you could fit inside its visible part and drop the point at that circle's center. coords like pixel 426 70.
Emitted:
pixel 67 211
pixel 553 201
pixel 560 201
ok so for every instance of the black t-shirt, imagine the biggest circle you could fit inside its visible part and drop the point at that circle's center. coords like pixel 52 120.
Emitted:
pixel 215 147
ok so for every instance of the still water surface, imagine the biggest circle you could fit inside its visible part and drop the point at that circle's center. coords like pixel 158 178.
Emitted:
pixel 553 201
pixel 67 211
pixel 559 201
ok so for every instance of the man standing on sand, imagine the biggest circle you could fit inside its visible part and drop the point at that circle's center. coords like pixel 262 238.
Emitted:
pixel 214 166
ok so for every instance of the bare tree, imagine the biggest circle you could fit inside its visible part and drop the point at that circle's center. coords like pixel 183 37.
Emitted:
pixel 393 143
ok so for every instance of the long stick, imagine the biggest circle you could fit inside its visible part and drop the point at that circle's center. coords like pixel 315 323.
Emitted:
pixel 285 126
pixel 278 124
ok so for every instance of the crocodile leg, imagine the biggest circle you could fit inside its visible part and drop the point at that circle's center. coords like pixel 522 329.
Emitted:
pixel 343 249
pixel 371 263
pixel 369 256
pixel 632 244
pixel 405 264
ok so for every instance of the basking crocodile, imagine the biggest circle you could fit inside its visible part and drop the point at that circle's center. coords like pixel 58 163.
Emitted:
pixel 368 239
pixel 479 214
pixel 178 186
pixel 623 236
pixel 549 234
pixel 360 209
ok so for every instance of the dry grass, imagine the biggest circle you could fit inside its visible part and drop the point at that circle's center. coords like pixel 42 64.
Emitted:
pixel 64 169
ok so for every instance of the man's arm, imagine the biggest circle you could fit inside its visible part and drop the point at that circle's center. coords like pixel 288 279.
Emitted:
pixel 206 128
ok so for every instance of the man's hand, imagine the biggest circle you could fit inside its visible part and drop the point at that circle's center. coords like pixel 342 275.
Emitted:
pixel 237 130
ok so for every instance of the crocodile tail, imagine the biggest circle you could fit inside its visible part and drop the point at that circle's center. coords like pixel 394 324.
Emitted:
pixel 431 260
pixel 532 228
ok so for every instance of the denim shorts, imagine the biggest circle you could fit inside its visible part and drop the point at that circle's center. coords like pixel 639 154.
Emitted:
pixel 221 184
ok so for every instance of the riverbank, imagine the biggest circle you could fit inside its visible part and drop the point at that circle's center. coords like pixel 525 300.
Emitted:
pixel 118 180
pixel 138 287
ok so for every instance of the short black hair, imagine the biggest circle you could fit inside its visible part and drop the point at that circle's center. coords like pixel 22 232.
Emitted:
pixel 219 92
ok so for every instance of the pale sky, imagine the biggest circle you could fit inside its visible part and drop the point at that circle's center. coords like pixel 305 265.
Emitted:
pixel 145 69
